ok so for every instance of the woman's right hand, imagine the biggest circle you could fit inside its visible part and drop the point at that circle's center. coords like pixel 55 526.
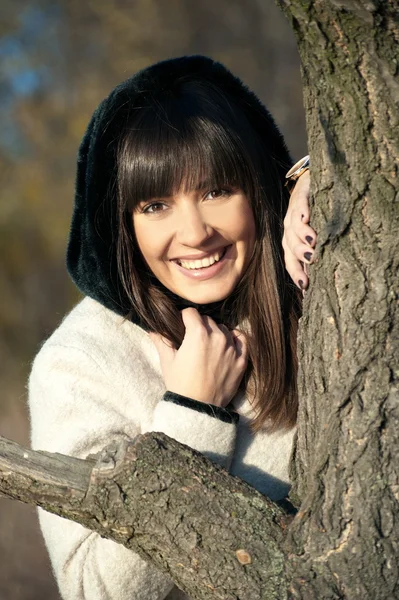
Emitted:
pixel 210 363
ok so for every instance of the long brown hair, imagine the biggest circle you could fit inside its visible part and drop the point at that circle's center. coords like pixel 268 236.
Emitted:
pixel 191 131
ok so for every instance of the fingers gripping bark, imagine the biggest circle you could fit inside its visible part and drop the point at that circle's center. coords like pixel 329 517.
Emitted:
pixel 299 238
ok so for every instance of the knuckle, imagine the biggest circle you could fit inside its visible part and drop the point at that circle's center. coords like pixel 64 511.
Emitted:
pixel 238 333
pixel 201 332
pixel 289 259
pixel 241 363
pixel 287 253
pixel 298 250
pixel 222 335
pixel 190 312
pixel 291 242
pixel 298 212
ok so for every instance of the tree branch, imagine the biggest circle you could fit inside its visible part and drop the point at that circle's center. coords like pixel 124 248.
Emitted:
pixel 213 534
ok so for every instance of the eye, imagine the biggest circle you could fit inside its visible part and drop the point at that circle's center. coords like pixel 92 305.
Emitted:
pixel 153 208
pixel 219 193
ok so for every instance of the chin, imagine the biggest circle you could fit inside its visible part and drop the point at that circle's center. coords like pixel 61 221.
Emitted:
pixel 204 297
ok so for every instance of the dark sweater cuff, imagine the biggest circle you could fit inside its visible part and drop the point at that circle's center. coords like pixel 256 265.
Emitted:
pixel 223 414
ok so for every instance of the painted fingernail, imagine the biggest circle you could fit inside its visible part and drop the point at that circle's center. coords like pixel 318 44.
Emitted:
pixel 308 255
pixel 309 239
pixel 301 284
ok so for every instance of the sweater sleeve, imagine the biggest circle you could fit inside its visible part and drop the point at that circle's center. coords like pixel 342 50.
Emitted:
pixel 71 414
pixel 209 429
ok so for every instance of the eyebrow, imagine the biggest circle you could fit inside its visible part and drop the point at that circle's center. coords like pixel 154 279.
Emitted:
pixel 200 186
pixel 203 184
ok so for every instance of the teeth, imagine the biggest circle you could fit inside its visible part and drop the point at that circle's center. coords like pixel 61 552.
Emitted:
pixel 200 264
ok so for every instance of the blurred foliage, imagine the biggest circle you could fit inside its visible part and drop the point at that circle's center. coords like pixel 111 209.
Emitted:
pixel 58 60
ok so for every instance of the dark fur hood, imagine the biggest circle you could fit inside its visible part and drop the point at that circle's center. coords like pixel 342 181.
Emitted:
pixel 91 255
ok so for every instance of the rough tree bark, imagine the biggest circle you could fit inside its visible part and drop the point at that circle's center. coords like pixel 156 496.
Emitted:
pixel 212 533
pixel 344 541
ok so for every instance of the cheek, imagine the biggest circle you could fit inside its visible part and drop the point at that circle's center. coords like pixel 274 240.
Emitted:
pixel 248 235
pixel 150 241
pixel 142 238
pixel 247 229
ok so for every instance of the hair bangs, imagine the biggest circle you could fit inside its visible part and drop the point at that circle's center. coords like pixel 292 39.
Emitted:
pixel 167 151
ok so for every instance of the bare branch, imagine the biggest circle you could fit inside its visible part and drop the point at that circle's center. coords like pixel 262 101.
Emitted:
pixel 213 534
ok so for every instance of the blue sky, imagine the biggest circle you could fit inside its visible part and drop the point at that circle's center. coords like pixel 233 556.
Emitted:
pixel 23 70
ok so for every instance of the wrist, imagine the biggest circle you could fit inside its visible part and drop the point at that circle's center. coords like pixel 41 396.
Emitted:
pixel 198 396
pixel 219 412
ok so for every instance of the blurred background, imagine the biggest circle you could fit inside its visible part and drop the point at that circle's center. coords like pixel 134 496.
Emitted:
pixel 58 59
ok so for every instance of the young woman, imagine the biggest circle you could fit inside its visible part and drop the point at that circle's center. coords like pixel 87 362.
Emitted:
pixel 189 320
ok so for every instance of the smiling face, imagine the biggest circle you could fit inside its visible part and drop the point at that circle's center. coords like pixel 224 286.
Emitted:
pixel 214 226
pixel 188 166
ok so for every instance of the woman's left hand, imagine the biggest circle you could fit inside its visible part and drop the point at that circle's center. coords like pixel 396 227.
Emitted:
pixel 299 238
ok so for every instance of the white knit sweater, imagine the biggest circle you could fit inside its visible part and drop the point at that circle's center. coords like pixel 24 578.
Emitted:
pixel 96 379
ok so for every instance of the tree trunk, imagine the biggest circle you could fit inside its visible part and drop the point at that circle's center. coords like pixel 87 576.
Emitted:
pixel 344 541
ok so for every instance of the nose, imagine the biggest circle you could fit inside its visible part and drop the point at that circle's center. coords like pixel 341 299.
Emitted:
pixel 193 229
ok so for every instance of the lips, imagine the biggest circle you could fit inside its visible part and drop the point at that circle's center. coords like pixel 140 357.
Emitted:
pixel 204 273
pixel 220 256
pixel 194 257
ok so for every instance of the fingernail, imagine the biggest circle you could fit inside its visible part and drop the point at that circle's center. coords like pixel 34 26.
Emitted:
pixel 309 239
pixel 301 284
pixel 308 256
